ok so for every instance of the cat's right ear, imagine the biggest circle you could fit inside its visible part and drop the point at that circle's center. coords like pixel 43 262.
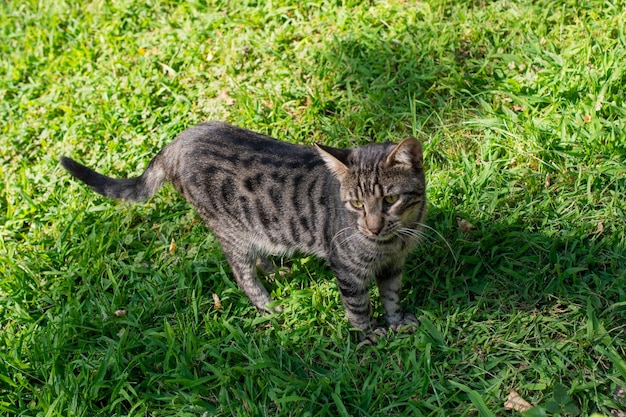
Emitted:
pixel 407 153
pixel 336 159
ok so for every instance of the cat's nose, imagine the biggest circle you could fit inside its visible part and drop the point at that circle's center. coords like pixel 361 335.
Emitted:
pixel 376 230
pixel 374 226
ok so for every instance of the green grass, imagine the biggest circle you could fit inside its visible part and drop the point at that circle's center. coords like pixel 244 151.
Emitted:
pixel 521 107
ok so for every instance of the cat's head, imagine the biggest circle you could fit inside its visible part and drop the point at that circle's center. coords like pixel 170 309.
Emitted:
pixel 382 186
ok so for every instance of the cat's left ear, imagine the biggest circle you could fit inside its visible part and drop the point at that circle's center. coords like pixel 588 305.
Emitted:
pixel 336 159
pixel 408 152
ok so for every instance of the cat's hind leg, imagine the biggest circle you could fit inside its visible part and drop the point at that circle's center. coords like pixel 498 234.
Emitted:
pixel 264 265
pixel 266 268
pixel 244 267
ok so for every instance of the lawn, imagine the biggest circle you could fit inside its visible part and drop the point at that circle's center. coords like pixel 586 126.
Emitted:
pixel 111 309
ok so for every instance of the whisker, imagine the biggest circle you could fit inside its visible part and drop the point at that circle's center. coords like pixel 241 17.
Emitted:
pixel 415 237
pixel 337 235
pixel 441 237
pixel 354 235
pixel 418 237
pixel 415 234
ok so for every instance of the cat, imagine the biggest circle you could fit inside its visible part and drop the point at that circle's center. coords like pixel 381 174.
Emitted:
pixel 362 210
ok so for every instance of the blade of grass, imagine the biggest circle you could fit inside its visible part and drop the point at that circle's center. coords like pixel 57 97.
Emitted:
pixel 475 398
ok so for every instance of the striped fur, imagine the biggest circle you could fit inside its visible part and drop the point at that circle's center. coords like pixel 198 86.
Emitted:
pixel 360 209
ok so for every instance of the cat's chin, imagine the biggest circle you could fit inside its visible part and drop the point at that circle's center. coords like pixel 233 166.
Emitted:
pixel 381 239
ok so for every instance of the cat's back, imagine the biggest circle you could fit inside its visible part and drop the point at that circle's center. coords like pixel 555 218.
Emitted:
pixel 219 142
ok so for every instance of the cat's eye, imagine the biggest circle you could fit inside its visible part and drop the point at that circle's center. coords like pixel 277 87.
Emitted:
pixel 357 204
pixel 390 199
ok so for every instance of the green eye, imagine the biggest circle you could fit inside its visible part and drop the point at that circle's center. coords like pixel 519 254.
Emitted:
pixel 357 204
pixel 390 199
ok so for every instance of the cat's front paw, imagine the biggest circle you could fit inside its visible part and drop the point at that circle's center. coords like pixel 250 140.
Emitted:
pixel 270 307
pixel 370 338
pixel 408 323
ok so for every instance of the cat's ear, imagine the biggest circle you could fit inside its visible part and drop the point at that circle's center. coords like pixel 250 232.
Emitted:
pixel 408 152
pixel 336 159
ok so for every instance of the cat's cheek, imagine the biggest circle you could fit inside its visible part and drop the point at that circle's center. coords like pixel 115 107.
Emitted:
pixel 355 219
pixel 411 217
pixel 362 226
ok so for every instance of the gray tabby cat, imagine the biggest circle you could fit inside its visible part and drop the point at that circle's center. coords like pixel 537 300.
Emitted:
pixel 359 209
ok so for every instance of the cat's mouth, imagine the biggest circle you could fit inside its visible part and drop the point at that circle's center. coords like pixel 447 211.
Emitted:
pixel 386 237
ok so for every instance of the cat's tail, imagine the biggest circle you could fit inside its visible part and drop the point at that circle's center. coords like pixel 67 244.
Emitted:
pixel 130 189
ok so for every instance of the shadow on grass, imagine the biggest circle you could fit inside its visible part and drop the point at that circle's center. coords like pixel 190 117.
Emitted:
pixel 377 86
pixel 509 267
